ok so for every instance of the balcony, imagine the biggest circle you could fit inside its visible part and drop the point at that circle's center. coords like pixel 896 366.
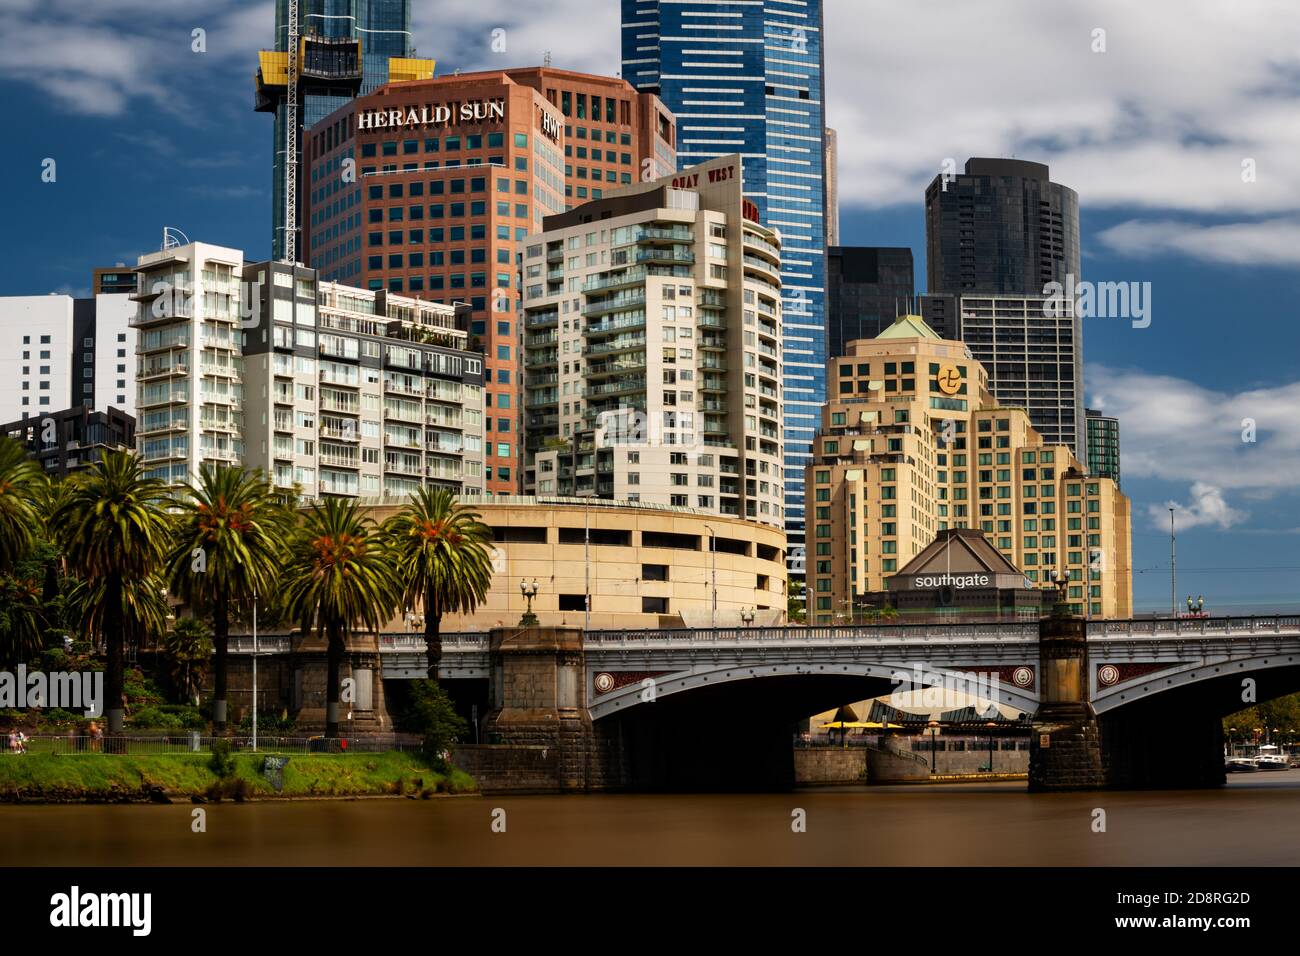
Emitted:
pixel 660 234
pixel 613 303
pixel 336 433
pixel 618 386
pixel 619 344
pixel 615 325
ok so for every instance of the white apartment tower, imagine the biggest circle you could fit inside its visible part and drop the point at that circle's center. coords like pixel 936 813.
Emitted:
pixel 653 349
pixel 189 374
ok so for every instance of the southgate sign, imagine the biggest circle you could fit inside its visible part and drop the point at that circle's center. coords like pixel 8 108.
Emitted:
pixel 439 115
pixel 951 581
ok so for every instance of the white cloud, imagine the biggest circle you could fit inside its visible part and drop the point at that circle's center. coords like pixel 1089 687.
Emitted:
pixel 1206 507
pixel 1163 119
pixel 97 58
pixel 1222 444
pixel 1269 242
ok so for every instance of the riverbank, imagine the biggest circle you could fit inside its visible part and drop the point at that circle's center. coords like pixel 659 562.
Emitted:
pixel 160 778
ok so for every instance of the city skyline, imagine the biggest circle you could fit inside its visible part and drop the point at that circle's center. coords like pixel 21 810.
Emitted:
pixel 181 148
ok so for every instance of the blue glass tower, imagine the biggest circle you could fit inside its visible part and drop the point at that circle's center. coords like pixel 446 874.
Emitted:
pixel 746 76
pixel 383 28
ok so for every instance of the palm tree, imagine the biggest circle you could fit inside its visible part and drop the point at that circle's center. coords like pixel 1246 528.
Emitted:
pixel 113 527
pixel 443 561
pixel 228 549
pixel 338 575
pixel 187 647
pixel 21 482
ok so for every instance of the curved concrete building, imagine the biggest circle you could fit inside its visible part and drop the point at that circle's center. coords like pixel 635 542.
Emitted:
pixel 644 566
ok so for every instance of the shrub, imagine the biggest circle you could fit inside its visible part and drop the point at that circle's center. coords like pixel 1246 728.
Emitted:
pixel 222 763
pixel 430 713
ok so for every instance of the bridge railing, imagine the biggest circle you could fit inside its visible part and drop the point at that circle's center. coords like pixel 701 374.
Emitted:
pixel 874 634
pixel 453 641
pixel 1195 627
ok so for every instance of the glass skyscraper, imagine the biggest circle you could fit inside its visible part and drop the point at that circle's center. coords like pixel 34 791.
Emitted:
pixel 747 77
pixel 383 28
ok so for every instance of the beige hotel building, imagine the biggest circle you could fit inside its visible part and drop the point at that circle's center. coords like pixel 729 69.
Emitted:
pixel 652 349
pixel 912 443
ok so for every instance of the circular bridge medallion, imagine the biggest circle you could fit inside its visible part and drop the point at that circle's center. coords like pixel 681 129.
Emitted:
pixel 1107 675
pixel 604 682
pixel 1022 676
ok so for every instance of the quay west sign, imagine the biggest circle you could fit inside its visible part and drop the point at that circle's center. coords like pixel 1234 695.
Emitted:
pixel 433 114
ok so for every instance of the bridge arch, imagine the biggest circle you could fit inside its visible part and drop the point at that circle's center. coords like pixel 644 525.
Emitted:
pixel 705 675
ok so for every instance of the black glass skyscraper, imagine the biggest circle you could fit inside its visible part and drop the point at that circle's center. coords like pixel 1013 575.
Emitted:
pixel 867 287
pixel 996 235
pixel 1002 227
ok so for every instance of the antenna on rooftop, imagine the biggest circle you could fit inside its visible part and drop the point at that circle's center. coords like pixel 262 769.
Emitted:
pixel 173 237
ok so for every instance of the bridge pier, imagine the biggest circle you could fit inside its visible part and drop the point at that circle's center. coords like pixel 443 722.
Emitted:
pixel 539 733
pixel 1065 749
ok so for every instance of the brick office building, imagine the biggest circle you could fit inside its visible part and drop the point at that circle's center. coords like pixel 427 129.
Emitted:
pixel 428 188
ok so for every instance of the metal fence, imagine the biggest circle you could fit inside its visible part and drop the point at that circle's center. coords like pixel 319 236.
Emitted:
pixel 195 742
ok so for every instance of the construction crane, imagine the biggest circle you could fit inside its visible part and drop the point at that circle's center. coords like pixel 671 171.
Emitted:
pixel 291 142
pixel 313 65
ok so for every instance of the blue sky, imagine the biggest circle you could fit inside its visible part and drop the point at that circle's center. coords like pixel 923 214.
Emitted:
pixel 1152 131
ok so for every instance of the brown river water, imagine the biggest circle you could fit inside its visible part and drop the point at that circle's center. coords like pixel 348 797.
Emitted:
pixel 1254 820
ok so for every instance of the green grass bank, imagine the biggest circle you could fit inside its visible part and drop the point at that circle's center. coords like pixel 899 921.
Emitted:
pixel 112 778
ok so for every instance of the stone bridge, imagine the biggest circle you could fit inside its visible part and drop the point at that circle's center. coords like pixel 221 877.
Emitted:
pixel 1151 692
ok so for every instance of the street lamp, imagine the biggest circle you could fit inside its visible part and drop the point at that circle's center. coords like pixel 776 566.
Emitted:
pixel 747 615
pixel 713 552
pixel 254 671
pixel 529 591
pixel 933 729
pixel 991 725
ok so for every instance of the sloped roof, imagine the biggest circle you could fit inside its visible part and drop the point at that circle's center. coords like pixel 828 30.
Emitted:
pixel 909 327
pixel 960 550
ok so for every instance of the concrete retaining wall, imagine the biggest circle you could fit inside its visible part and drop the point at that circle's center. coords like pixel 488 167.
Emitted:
pixel 830 765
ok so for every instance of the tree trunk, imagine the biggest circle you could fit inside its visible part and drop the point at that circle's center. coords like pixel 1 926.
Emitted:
pixel 114 708
pixel 220 643
pixel 432 637
pixel 335 659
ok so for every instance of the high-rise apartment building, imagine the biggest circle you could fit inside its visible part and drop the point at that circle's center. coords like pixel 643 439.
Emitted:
pixel 450 176
pixel 188 371
pixel 747 78
pixel 359 393
pixel 1103 445
pixel 345 49
pixel 653 349
pixel 57 352
pixel 912 443
pixel 1030 347
pixel 336 390
pixel 867 287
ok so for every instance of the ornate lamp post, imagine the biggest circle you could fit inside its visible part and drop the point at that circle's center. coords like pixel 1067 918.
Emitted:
pixel 933 729
pixel 529 591
pixel 747 616
pixel 991 725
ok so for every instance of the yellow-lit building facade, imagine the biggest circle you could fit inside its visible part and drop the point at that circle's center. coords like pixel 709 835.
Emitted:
pixel 912 443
